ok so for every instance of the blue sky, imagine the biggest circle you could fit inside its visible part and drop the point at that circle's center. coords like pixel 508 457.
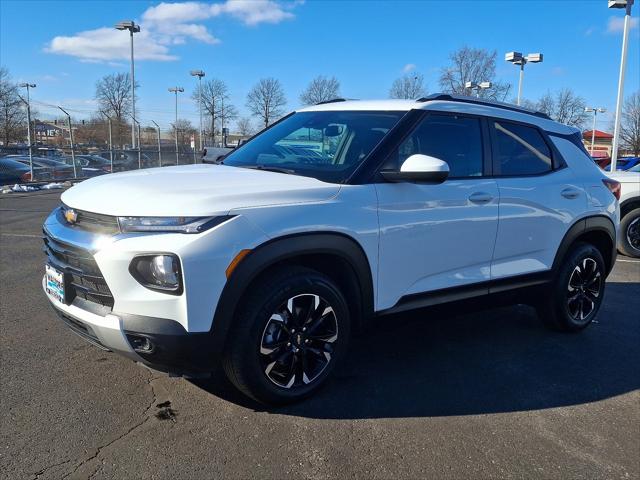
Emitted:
pixel 365 44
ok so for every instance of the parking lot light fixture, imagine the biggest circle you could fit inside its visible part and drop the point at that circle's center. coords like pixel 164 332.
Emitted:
pixel 595 111
pixel 626 4
pixel 199 74
pixel 518 59
pixel 477 87
pixel 176 90
pixel 133 28
pixel 28 102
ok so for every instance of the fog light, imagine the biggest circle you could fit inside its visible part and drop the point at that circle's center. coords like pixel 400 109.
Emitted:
pixel 140 344
pixel 158 272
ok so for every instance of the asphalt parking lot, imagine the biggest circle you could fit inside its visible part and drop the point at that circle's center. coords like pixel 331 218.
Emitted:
pixel 426 395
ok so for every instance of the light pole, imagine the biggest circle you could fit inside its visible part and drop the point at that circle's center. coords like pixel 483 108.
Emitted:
pixel 626 4
pixel 477 87
pixel 199 74
pixel 595 111
pixel 28 102
pixel 110 140
pixel 133 28
pixel 159 151
pixel 73 155
pixel 139 153
pixel 176 90
pixel 518 59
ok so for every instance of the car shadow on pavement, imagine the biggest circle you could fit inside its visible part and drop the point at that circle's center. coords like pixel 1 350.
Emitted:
pixel 431 363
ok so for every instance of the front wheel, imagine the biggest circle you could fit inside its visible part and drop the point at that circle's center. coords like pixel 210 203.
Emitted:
pixel 288 337
pixel 576 292
pixel 629 242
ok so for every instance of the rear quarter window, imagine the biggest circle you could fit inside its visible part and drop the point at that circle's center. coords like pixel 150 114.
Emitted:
pixel 520 150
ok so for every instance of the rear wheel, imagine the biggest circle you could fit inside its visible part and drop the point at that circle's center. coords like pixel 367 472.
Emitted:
pixel 289 335
pixel 577 291
pixel 629 243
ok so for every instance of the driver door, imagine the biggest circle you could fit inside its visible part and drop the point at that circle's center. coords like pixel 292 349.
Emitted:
pixel 435 237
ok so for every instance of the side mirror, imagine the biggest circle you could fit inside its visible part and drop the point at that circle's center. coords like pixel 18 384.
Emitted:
pixel 419 168
pixel 333 131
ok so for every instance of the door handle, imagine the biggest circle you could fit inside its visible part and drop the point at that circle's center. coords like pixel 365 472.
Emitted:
pixel 480 197
pixel 570 193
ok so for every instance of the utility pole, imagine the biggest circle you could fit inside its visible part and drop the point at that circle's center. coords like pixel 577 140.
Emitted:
pixel 199 74
pixel 139 156
pixel 176 90
pixel 73 155
pixel 626 4
pixel 110 140
pixel 159 151
pixel 133 28
pixel 595 111
pixel 28 102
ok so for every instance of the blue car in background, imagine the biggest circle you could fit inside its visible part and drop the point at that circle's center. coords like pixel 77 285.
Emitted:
pixel 625 163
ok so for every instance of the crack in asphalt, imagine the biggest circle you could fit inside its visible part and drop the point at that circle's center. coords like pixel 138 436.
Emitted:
pixel 98 451
pixel 39 473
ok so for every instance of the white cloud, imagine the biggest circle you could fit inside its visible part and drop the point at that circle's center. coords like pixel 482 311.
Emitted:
pixel 616 24
pixel 103 44
pixel 253 12
pixel 409 67
pixel 165 25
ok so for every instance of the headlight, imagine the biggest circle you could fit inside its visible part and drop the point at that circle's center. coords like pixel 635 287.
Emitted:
pixel 170 224
pixel 158 272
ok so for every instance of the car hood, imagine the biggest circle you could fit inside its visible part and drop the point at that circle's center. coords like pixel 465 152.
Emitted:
pixel 193 190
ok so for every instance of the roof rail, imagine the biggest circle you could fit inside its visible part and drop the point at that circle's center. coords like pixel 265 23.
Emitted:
pixel 478 101
pixel 333 100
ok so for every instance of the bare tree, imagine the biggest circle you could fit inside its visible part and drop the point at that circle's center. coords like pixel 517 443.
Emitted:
pixel 113 93
pixel 630 124
pixel 320 89
pixel 216 104
pixel 266 100
pixel 564 107
pixel 185 130
pixel 244 126
pixel 473 65
pixel 410 87
pixel 13 117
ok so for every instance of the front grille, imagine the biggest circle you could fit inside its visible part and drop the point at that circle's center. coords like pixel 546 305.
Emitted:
pixel 82 276
pixel 92 222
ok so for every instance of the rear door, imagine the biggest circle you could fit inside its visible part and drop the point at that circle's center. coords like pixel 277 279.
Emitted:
pixel 539 199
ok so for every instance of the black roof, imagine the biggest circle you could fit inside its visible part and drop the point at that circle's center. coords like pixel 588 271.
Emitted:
pixel 479 101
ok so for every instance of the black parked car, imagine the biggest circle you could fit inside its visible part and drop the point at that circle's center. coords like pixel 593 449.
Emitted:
pixel 58 170
pixel 127 160
pixel 12 171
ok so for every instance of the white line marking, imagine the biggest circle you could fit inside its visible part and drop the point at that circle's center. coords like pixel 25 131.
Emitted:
pixel 20 235
pixel 628 261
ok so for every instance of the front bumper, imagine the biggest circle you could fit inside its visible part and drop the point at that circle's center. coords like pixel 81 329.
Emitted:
pixel 173 349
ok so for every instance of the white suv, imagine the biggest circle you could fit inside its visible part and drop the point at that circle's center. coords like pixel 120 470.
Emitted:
pixel 334 214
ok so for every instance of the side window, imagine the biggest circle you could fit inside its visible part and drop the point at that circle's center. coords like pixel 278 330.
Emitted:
pixel 521 150
pixel 456 140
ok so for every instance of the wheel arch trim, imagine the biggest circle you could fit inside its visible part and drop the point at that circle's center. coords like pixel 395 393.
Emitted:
pixel 597 223
pixel 287 248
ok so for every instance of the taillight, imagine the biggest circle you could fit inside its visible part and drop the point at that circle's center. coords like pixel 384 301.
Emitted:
pixel 613 186
pixel 26 177
pixel 107 168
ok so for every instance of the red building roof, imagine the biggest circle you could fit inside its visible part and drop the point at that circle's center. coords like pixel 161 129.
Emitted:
pixel 599 134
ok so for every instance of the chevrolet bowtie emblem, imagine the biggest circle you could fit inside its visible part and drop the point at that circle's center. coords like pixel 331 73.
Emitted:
pixel 70 216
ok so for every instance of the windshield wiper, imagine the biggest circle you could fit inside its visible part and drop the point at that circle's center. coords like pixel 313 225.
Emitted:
pixel 269 168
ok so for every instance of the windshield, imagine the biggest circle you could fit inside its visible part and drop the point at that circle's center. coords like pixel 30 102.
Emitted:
pixel 328 146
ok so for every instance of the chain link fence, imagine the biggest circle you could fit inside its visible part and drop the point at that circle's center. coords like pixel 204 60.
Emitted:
pixel 54 164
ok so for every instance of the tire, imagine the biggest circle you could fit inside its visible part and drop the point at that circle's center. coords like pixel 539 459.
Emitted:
pixel 573 299
pixel 629 241
pixel 290 333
